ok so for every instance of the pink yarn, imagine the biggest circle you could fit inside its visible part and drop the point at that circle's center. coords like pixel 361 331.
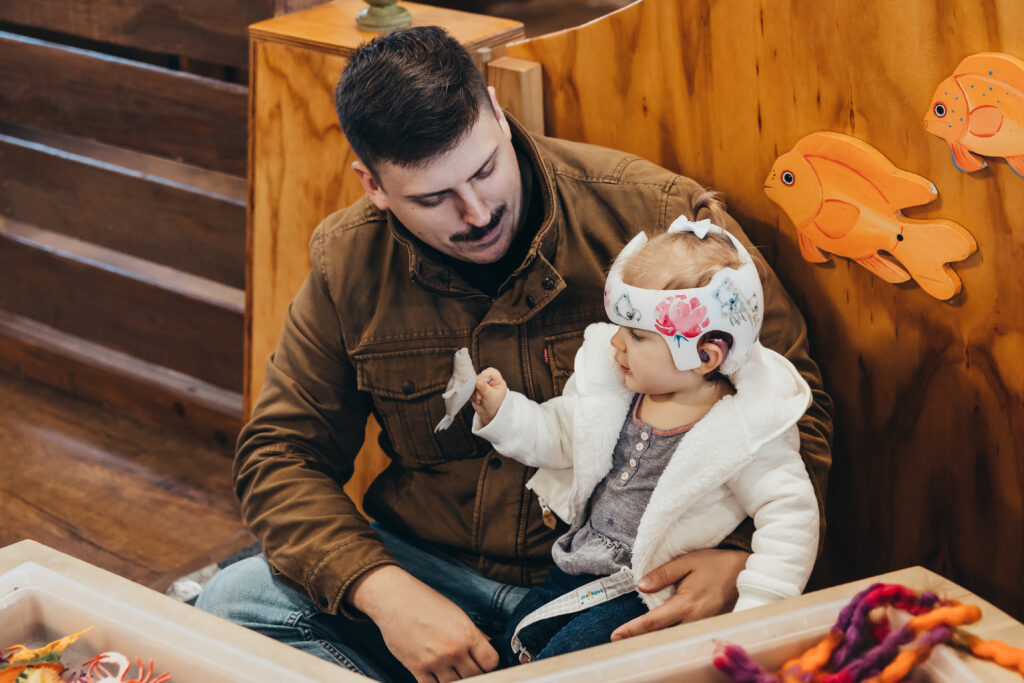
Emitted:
pixel 680 316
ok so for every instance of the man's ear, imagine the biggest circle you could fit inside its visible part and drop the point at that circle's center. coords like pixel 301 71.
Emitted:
pixel 370 185
pixel 499 113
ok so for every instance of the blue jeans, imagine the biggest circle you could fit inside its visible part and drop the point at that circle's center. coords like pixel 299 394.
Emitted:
pixel 568 632
pixel 248 594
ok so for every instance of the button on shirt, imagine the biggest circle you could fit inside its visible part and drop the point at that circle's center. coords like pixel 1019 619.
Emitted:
pixel 604 543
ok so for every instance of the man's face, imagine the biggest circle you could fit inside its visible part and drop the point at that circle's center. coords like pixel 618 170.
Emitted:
pixel 465 203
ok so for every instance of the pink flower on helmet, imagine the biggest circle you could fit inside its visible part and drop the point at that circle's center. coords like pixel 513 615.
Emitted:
pixel 678 316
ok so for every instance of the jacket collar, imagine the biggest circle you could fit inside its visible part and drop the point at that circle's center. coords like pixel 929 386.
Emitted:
pixel 432 272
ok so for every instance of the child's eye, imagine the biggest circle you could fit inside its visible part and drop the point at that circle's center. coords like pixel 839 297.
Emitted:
pixel 634 335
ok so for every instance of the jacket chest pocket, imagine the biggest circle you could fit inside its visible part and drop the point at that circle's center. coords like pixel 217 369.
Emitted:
pixel 406 387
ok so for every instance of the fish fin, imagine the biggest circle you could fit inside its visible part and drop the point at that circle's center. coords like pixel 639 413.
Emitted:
pixel 852 158
pixel 1017 164
pixel 837 218
pixel 884 268
pixel 926 249
pixel 809 251
pixel 984 122
pixel 964 160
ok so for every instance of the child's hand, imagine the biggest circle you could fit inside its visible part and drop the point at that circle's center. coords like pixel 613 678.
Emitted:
pixel 489 395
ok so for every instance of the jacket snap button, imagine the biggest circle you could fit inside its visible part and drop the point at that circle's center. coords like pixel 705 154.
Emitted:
pixel 547 283
pixel 408 387
pixel 530 301
pixel 494 464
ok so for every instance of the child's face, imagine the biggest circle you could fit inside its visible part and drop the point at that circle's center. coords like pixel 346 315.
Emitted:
pixel 646 364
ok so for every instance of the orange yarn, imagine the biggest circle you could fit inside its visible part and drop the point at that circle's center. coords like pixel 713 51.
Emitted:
pixel 816 657
pixel 953 614
pixel 999 652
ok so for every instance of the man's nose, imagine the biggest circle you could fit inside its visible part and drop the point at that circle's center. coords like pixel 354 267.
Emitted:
pixel 474 209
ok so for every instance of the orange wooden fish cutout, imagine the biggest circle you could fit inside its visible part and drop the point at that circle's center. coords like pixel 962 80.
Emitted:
pixel 980 110
pixel 846 198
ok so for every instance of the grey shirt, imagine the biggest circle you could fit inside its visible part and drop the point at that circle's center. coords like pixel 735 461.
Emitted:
pixel 603 543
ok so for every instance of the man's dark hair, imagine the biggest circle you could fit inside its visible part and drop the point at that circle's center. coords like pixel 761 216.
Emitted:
pixel 408 96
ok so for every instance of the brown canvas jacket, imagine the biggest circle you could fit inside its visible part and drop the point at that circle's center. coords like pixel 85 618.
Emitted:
pixel 373 329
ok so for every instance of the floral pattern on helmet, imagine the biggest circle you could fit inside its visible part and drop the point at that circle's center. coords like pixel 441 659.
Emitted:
pixel 681 316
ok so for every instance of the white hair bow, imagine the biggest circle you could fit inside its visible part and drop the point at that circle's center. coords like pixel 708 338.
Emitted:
pixel 699 228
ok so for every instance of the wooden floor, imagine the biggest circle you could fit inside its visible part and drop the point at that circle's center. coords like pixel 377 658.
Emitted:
pixel 132 499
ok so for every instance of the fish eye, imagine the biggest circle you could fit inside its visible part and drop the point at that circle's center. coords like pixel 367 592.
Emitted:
pixel 788 178
pixel 939 109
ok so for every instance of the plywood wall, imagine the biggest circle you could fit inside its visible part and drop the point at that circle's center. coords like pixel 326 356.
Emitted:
pixel 929 451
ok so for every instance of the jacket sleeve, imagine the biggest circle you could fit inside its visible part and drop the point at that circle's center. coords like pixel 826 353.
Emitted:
pixel 784 332
pixel 298 450
pixel 535 434
pixel 775 491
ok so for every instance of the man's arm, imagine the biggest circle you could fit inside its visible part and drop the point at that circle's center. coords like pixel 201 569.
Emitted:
pixel 298 450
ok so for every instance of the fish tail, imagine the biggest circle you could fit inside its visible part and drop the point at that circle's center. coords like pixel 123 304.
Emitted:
pixel 926 248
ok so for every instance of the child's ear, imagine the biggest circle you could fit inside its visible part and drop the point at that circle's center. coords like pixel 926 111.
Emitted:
pixel 711 357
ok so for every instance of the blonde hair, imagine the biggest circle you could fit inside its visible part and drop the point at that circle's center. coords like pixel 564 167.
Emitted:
pixel 681 260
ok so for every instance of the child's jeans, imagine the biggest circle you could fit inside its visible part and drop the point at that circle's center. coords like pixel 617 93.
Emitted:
pixel 568 632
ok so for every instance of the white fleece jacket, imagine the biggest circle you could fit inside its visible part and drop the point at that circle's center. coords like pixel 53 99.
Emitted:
pixel 741 459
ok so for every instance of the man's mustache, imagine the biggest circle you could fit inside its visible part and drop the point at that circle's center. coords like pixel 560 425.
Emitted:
pixel 479 232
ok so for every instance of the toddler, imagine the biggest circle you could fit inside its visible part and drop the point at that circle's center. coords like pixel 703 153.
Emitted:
pixel 675 426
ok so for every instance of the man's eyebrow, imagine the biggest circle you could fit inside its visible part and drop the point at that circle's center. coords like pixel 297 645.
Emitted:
pixel 428 195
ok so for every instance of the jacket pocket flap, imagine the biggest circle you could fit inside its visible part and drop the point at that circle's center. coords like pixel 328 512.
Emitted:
pixel 405 375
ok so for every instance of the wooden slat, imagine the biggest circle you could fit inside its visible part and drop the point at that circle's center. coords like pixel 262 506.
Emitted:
pixel 153 312
pixel 132 387
pixel 88 94
pixel 123 208
pixel 199 29
pixel 929 395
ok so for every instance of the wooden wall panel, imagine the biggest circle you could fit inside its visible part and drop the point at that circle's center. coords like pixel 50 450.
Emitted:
pixel 929 395
pixel 152 312
pixel 199 29
pixel 88 94
pixel 293 108
pixel 123 208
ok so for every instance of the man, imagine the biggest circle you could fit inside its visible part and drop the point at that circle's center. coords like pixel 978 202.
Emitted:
pixel 472 233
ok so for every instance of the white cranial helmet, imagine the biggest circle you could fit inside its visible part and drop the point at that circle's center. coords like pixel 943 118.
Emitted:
pixel 731 303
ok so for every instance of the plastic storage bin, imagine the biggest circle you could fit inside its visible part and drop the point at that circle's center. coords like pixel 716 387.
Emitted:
pixel 39 605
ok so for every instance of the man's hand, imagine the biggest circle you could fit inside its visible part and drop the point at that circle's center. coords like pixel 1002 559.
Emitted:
pixel 424 630
pixel 705 582
pixel 489 395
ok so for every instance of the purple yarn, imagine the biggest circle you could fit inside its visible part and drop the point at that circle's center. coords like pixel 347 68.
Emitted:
pixel 735 663
pixel 856 630
pixel 880 656
pixel 938 635
pixel 847 612
pixel 928 599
